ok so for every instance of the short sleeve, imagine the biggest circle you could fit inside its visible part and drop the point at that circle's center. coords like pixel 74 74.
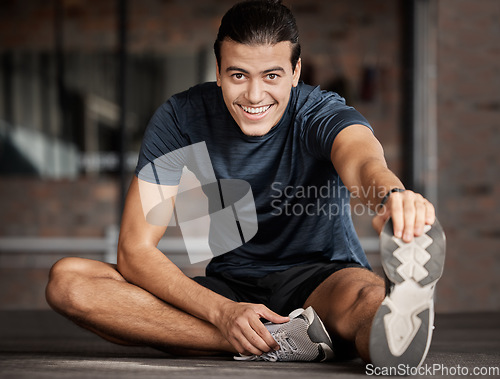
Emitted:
pixel 160 158
pixel 322 118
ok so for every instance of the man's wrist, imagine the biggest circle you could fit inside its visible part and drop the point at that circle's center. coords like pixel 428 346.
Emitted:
pixel 389 193
pixel 217 309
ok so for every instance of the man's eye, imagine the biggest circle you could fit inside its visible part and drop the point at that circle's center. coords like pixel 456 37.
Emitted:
pixel 238 76
pixel 272 76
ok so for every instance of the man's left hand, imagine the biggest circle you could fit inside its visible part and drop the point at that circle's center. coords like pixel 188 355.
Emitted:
pixel 409 211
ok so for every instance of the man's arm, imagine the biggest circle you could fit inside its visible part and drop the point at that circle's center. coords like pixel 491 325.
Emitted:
pixel 359 159
pixel 141 263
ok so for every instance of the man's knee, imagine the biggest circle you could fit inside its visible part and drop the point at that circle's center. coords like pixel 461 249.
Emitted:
pixel 65 265
pixel 65 278
pixel 361 311
pixel 370 296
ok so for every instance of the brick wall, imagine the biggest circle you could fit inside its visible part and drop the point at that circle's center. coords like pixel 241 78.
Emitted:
pixel 83 207
pixel 31 207
pixel 469 157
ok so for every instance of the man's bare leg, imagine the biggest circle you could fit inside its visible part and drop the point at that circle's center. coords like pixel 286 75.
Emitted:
pixel 347 302
pixel 95 296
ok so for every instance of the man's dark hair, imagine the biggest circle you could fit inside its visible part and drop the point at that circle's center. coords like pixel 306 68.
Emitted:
pixel 259 22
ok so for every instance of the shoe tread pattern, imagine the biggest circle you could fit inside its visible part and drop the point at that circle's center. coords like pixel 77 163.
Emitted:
pixel 411 270
pixel 421 260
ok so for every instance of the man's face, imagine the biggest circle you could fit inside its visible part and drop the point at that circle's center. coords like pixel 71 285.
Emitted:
pixel 256 81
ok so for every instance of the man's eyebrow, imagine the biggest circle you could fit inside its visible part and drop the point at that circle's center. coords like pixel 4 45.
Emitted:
pixel 277 68
pixel 234 68
pixel 239 69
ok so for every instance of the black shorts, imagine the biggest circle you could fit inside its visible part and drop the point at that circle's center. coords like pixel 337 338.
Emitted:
pixel 281 291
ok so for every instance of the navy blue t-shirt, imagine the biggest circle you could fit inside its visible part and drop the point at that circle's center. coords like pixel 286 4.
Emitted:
pixel 303 209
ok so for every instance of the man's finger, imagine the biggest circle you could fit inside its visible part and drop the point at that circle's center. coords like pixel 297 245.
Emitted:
pixel 266 337
pixel 247 341
pixel 249 348
pixel 420 210
pixel 269 315
pixel 397 215
pixel 262 331
pixel 409 217
pixel 430 213
pixel 260 337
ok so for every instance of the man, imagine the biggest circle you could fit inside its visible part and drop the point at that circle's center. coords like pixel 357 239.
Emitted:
pixel 283 137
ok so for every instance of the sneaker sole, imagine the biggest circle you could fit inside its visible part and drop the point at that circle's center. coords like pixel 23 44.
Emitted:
pixel 401 331
pixel 318 334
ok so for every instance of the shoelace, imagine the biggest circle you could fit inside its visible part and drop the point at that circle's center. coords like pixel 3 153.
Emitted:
pixel 286 349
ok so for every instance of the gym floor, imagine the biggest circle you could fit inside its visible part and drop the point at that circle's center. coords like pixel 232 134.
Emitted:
pixel 42 344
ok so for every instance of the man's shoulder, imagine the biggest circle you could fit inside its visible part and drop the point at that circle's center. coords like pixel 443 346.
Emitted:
pixel 303 91
pixel 313 99
pixel 200 102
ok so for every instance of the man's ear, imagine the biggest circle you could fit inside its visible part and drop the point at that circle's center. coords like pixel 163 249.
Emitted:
pixel 217 72
pixel 296 73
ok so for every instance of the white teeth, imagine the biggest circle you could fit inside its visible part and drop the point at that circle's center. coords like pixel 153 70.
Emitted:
pixel 255 110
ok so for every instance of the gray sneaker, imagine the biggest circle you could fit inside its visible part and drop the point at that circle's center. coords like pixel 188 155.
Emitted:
pixel 303 338
pixel 402 328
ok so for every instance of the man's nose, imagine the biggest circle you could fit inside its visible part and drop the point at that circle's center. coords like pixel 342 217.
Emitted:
pixel 255 92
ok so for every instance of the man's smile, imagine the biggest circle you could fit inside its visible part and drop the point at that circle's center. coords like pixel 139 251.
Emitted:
pixel 255 113
pixel 254 110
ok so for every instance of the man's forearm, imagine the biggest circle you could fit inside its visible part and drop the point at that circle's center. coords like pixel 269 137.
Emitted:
pixel 375 181
pixel 359 159
pixel 151 270
pixel 409 211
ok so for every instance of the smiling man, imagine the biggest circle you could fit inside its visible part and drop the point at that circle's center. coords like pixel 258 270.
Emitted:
pixel 303 151
pixel 256 81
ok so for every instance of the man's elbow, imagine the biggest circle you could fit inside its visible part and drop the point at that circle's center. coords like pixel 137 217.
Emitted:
pixel 125 258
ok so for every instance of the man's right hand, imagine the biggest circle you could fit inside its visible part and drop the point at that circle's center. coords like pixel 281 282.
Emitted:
pixel 240 324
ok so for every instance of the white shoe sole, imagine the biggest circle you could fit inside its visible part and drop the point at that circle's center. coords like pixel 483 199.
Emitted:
pixel 401 331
